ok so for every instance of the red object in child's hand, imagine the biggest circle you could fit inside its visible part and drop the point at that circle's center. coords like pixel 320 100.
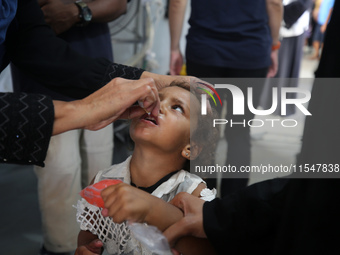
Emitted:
pixel 92 193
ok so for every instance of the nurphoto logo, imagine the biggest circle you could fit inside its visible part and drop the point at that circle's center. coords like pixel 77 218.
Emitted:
pixel 239 105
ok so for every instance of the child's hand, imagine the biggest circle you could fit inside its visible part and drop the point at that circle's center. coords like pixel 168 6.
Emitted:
pixel 124 202
pixel 95 247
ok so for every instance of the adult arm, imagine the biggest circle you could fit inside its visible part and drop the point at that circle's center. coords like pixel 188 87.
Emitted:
pixel 27 121
pixel 275 14
pixel 61 15
pixel 237 221
pixel 324 26
pixel 176 19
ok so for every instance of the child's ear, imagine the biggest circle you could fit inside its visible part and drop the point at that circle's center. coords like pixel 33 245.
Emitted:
pixel 191 151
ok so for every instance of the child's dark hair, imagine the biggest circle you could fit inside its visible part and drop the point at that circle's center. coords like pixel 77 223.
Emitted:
pixel 205 136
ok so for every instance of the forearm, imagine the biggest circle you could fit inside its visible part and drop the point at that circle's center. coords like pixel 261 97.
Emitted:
pixel 275 14
pixel 36 51
pixel 67 12
pixel 329 16
pixel 103 11
pixel 176 19
pixel 68 116
pixel 107 10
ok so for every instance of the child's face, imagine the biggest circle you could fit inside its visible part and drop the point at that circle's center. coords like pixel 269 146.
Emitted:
pixel 169 132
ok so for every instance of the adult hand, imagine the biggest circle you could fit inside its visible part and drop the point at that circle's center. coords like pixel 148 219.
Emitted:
pixel 274 64
pixel 192 222
pixel 93 248
pixel 60 16
pixel 176 62
pixel 111 102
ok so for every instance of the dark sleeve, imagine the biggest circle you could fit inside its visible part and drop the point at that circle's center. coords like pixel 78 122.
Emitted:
pixel 294 10
pixel 26 124
pixel 244 222
pixel 33 47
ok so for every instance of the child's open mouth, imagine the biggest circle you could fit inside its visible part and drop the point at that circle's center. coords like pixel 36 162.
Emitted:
pixel 150 118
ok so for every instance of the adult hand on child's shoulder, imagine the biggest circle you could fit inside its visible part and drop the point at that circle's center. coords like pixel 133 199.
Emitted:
pixel 95 247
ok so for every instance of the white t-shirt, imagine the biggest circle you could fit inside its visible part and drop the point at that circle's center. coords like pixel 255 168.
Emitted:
pixel 116 237
pixel 299 27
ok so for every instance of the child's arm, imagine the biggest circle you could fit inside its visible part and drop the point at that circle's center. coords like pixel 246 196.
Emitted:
pixel 124 202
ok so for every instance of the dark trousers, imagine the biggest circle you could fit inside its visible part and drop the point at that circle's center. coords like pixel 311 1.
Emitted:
pixel 238 136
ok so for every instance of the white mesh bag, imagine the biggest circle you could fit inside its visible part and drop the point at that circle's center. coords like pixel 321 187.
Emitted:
pixel 117 238
pixel 114 236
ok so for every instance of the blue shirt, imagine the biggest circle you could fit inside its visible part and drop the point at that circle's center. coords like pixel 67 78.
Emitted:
pixel 325 7
pixel 7 13
pixel 93 40
pixel 229 33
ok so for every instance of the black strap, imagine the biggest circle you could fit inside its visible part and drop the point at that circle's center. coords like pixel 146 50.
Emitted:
pixel 294 10
pixel 157 184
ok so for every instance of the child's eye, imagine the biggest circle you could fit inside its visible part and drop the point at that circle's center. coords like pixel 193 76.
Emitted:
pixel 178 108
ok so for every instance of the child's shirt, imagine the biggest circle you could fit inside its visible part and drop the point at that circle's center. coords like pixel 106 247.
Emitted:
pixel 116 237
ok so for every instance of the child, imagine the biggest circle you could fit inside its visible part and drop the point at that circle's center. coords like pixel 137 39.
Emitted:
pixel 162 148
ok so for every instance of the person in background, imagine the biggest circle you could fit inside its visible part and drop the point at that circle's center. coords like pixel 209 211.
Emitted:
pixel 73 157
pixel 314 19
pixel 229 39
pixel 324 15
pixel 292 32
